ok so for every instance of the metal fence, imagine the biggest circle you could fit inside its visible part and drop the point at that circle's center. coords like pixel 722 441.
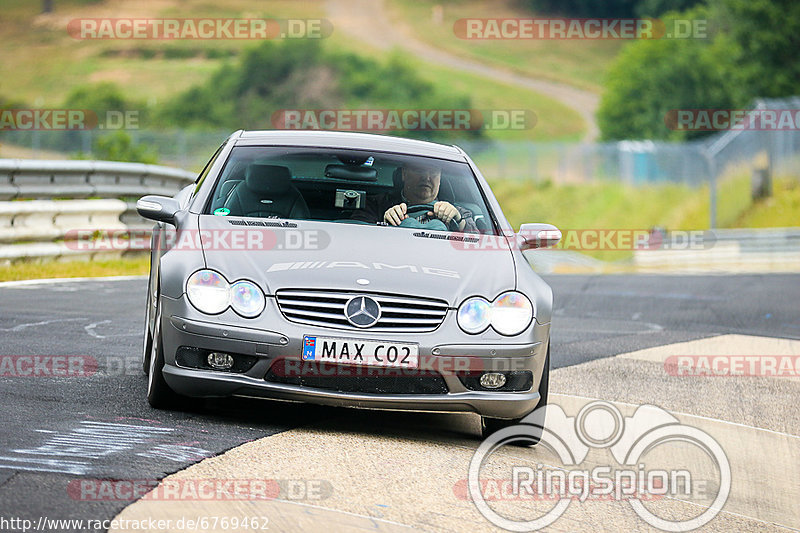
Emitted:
pixel 634 162
pixel 638 162
pixel 181 148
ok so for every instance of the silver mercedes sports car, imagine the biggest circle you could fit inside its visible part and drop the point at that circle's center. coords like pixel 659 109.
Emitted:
pixel 345 269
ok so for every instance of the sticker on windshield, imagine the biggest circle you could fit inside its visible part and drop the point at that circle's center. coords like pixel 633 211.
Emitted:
pixel 222 212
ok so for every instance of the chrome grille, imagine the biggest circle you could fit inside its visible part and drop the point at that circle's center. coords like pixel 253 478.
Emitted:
pixel 326 308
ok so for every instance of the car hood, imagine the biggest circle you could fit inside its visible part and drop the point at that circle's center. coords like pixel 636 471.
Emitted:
pixel 350 257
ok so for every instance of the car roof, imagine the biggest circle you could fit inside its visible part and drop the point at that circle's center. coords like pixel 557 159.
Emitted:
pixel 347 140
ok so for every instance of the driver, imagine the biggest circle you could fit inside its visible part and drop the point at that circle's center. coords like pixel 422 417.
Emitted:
pixel 420 186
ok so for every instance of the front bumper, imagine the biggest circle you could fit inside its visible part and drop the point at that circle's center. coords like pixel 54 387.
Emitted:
pixel 271 338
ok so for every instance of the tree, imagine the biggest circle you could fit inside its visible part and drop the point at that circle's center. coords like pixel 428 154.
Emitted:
pixel 763 40
pixel 608 8
pixel 583 8
pixel 650 78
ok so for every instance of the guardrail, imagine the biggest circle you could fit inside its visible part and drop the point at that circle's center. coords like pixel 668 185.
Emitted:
pixel 69 195
pixel 723 251
pixel 42 220
pixel 35 179
pixel 730 250
pixel 47 228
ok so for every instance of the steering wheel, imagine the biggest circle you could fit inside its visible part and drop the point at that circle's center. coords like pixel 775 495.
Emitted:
pixel 418 209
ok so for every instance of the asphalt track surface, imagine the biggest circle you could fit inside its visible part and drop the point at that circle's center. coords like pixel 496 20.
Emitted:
pixel 61 430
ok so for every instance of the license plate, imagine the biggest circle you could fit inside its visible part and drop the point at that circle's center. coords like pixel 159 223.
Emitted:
pixel 360 352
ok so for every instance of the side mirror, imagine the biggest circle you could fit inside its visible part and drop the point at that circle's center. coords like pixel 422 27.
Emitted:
pixel 158 208
pixel 532 236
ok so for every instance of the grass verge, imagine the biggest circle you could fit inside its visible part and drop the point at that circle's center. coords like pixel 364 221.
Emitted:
pixel 582 63
pixel 47 63
pixel 604 205
pixel 21 270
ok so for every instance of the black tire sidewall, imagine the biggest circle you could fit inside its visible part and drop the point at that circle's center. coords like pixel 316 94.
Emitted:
pixel 159 395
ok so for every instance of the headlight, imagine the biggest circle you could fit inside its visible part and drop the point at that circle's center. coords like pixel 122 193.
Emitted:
pixel 247 299
pixel 474 315
pixel 208 291
pixel 511 313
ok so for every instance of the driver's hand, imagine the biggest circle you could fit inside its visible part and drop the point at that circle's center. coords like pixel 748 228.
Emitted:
pixel 395 214
pixel 445 211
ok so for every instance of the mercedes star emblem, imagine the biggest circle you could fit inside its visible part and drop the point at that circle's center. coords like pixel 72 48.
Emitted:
pixel 362 311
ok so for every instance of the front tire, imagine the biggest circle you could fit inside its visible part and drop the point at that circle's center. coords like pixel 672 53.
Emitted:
pixel 159 394
pixel 147 344
pixel 491 425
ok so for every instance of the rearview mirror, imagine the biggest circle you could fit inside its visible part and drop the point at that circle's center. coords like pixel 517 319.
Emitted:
pixel 158 208
pixel 532 236
pixel 351 172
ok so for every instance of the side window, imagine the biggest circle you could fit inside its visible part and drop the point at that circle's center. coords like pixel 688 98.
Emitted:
pixel 199 181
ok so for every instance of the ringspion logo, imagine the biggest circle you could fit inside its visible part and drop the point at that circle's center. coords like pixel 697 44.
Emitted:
pixel 629 476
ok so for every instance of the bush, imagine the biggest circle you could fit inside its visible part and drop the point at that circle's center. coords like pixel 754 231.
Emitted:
pixel 101 98
pixel 302 75
pixel 119 146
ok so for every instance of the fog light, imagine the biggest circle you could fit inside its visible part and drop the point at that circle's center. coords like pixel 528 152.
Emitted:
pixel 493 380
pixel 222 361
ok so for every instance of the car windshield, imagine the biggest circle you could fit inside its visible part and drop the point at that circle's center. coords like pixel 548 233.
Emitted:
pixel 352 187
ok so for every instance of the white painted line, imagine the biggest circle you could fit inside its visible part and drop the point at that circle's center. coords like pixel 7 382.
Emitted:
pixel 45 465
pixel 20 327
pixel 718 345
pixel 348 513
pixel 90 329
pixel 51 281
pixel 678 413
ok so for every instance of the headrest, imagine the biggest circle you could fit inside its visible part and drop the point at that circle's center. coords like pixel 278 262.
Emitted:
pixel 397 178
pixel 228 186
pixel 263 179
